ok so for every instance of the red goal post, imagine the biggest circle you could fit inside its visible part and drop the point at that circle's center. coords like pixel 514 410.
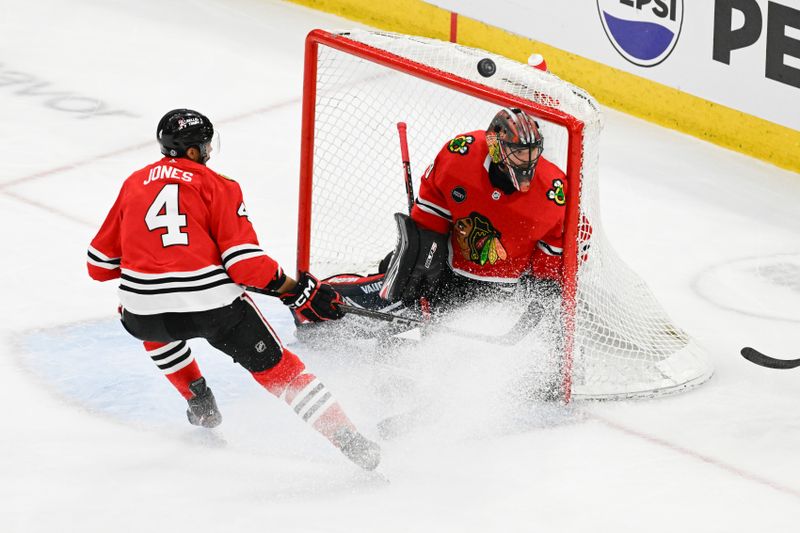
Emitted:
pixel 365 75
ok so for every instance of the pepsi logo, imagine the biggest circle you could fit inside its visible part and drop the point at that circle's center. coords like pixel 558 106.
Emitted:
pixel 643 31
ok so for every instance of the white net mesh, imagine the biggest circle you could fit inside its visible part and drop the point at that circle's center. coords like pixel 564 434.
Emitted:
pixel 625 345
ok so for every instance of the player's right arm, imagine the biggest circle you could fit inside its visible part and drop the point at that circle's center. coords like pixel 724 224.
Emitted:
pixel 245 261
pixel 105 250
pixel 249 265
pixel 430 208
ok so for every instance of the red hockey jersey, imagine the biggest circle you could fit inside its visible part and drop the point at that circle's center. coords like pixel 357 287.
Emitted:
pixel 179 238
pixel 494 236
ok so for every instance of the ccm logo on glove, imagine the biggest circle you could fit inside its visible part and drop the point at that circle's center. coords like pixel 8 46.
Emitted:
pixel 312 301
pixel 304 296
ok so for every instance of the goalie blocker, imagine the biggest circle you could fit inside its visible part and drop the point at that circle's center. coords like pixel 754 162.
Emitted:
pixel 416 264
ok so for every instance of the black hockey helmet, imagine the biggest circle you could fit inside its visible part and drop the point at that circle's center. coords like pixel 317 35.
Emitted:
pixel 515 144
pixel 180 129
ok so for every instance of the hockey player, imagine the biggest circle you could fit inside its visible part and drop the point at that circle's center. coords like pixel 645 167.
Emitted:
pixel 490 211
pixel 179 239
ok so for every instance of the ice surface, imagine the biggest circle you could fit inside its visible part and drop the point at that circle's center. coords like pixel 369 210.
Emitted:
pixel 94 439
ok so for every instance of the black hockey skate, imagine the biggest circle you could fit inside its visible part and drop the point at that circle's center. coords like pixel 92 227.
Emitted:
pixel 202 409
pixel 358 448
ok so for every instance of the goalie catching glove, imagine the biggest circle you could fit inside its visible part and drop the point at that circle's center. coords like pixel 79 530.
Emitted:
pixel 312 301
pixel 415 264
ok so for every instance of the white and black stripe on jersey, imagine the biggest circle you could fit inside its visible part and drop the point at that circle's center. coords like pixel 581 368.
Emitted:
pixel 101 260
pixel 172 356
pixel 234 254
pixel 175 292
pixel 430 207
pixel 549 249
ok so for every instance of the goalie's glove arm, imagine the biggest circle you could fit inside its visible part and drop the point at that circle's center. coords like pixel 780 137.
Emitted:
pixel 431 209
pixel 425 217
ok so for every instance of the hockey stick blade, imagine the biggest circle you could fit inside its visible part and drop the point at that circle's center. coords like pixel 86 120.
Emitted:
pixel 754 356
pixel 524 325
pixel 380 315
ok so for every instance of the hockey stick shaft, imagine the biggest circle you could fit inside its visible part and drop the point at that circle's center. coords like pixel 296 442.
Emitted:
pixel 754 356
pixel 401 130
pixel 380 315
pixel 529 320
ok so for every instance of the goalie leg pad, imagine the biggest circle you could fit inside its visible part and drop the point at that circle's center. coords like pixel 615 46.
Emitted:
pixel 362 291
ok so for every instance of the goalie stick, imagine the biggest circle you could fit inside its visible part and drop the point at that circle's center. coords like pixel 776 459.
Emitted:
pixel 524 325
pixel 401 130
pixel 754 356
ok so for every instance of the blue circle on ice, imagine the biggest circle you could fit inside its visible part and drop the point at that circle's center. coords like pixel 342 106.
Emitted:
pixel 761 286
pixel 96 364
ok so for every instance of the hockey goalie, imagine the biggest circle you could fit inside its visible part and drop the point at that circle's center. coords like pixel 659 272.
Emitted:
pixel 487 225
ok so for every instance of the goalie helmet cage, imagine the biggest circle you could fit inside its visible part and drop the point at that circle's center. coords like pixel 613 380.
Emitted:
pixel 619 342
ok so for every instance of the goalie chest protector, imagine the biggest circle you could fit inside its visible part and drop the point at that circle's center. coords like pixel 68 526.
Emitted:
pixel 494 236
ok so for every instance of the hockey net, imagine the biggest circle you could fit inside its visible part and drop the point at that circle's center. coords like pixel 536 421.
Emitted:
pixel 359 84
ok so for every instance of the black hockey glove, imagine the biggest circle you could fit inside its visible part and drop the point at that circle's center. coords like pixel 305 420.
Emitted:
pixel 313 300
pixel 416 264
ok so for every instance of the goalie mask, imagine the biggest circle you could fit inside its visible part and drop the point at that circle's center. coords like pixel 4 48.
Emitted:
pixel 181 129
pixel 515 144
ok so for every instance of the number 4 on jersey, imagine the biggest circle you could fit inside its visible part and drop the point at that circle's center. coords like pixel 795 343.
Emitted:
pixel 163 213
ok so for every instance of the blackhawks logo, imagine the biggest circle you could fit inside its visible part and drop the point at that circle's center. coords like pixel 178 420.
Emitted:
pixel 478 240
pixel 557 193
pixel 460 145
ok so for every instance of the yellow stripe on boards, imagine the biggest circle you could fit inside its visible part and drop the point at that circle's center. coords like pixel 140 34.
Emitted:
pixel 614 88
pixel 412 17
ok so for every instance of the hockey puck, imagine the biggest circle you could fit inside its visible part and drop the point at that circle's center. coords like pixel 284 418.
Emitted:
pixel 486 67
